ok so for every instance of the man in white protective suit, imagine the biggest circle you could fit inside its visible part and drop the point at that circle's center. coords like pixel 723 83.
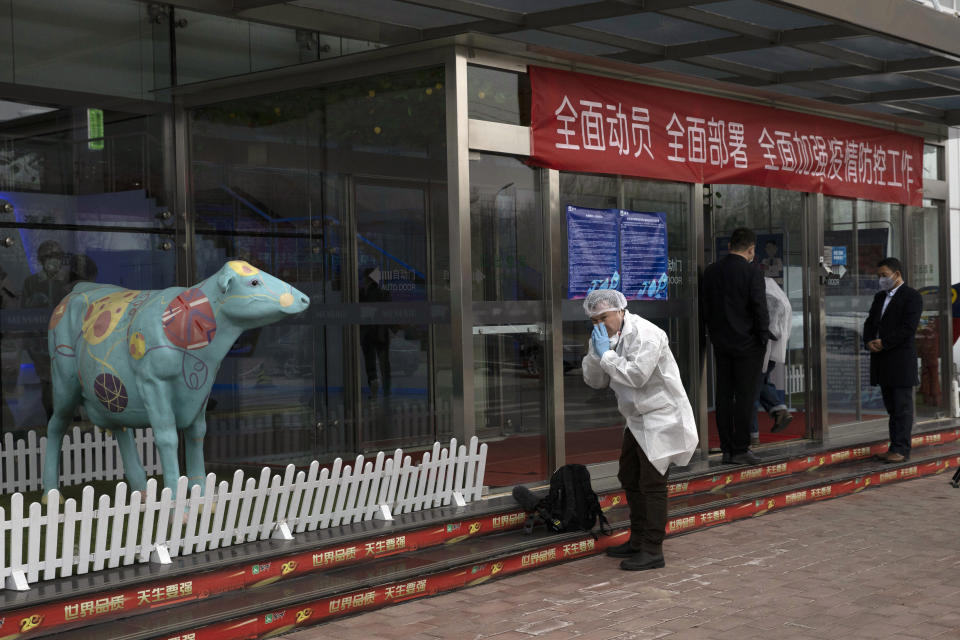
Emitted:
pixel 632 356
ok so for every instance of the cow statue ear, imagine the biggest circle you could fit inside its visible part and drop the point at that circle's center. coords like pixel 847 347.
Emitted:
pixel 223 280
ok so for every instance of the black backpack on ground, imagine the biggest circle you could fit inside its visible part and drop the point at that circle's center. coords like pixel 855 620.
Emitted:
pixel 571 504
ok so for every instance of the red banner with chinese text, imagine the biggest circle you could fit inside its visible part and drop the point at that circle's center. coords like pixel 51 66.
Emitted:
pixel 599 125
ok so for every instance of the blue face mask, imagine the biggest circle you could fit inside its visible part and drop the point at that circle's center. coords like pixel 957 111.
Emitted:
pixel 886 283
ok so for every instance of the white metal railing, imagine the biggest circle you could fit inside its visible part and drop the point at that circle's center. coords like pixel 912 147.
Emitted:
pixel 139 527
pixel 795 379
pixel 84 457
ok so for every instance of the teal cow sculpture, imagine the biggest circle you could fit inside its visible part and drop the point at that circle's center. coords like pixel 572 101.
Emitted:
pixel 137 359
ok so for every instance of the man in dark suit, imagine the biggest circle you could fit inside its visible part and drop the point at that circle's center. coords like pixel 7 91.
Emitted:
pixel 734 308
pixel 889 334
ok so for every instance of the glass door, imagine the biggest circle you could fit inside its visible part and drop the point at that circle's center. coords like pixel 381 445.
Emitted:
pixel 777 218
pixel 924 274
pixel 393 331
pixel 509 316
pixel 857 235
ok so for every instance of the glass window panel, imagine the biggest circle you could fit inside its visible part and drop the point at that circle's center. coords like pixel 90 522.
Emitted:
pixel 932 162
pixel 880 82
pixel 656 28
pixel 273 47
pixel 564 43
pixel 339 190
pixel 870 231
pixel 881 48
pixel 763 14
pixel 923 274
pixel 6 45
pixel 533 6
pixel 781 59
pixel 593 424
pixel 98 46
pixel 391 12
pixel 675 66
pixel 498 96
pixel 508 292
pixel 69 214
pixel 506 229
pixel 211 47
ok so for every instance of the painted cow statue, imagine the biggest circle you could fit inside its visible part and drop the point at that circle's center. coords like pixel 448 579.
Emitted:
pixel 138 359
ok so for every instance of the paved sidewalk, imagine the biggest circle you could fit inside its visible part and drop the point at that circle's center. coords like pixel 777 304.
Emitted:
pixel 884 563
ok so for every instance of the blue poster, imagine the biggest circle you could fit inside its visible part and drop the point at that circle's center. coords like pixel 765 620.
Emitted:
pixel 617 249
pixel 643 255
pixel 593 239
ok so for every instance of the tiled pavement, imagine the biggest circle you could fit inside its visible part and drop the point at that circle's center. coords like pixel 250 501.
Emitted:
pixel 884 563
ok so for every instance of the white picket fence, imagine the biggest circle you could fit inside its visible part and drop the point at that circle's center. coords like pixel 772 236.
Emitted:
pixel 140 527
pixel 84 457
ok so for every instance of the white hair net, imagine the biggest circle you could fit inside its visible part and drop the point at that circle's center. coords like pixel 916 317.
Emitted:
pixel 603 300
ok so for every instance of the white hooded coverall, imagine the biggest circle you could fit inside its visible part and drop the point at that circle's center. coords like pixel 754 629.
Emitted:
pixel 643 373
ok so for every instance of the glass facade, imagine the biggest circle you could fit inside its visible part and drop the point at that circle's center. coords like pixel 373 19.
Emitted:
pixel 339 190
pixel 338 180
pixel 84 196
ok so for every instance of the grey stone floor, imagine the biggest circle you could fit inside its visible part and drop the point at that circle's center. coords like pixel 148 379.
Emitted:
pixel 884 563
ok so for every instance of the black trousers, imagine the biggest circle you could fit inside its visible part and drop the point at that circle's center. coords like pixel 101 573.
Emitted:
pixel 738 378
pixel 646 491
pixel 899 404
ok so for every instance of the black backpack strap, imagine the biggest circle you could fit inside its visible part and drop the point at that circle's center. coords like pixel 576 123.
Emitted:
pixel 605 527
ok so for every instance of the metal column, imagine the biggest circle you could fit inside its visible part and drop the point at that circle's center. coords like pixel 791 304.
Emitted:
pixel 697 337
pixel 817 408
pixel 461 286
pixel 553 247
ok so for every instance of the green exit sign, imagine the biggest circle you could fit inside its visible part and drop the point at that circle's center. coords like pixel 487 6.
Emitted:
pixel 95 129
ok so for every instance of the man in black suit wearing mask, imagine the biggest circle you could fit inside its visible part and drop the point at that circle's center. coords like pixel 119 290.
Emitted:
pixel 889 336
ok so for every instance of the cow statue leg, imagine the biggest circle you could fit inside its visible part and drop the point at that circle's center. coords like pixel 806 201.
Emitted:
pixel 194 449
pixel 132 467
pixel 65 402
pixel 164 423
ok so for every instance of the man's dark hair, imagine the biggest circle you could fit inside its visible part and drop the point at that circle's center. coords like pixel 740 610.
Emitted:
pixel 742 239
pixel 892 263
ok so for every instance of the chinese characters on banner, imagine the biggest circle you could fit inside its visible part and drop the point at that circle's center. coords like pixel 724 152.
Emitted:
pixel 600 125
pixel 616 249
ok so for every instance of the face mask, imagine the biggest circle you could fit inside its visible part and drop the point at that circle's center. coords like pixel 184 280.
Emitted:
pixel 886 283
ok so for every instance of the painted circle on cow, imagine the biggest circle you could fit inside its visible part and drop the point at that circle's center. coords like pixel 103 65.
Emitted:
pixel 104 314
pixel 138 346
pixel 57 314
pixel 188 321
pixel 111 392
pixel 243 268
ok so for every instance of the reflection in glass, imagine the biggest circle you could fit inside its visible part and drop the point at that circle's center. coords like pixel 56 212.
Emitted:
pixel 506 224
pixel 776 216
pixel 869 232
pixel 594 426
pixel 340 191
pixel 924 275
pixel 495 95
pixel 75 209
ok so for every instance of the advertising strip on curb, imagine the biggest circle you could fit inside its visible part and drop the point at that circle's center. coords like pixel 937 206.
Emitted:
pixel 41 619
pixel 274 623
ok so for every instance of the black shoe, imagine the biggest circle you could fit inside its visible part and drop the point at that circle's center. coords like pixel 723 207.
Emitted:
pixel 643 560
pixel 625 550
pixel 781 420
pixel 747 457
